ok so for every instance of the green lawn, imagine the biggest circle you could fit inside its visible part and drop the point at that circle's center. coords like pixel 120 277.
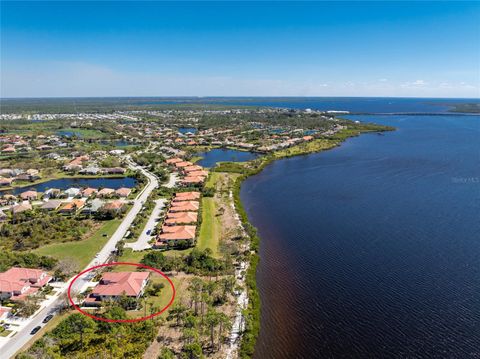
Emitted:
pixel 161 300
pixel 195 159
pixel 210 229
pixel 83 251
pixel 131 257
pixel 212 179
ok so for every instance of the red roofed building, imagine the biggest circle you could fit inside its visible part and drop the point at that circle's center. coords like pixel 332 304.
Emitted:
pixel 123 192
pixel 201 173
pixel 174 160
pixel 186 196
pixel 87 192
pixel 193 180
pixel 186 206
pixel 29 195
pixel 183 164
pixel 176 218
pixel 172 234
pixel 192 168
pixel 18 283
pixel 113 286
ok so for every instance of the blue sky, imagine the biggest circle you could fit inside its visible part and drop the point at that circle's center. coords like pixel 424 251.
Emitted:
pixel 425 49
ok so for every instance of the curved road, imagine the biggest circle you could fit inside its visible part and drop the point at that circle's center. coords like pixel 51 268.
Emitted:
pixel 15 343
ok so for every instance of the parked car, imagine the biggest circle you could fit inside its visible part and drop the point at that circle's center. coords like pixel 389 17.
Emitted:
pixel 47 318
pixel 36 329
pixel 149 231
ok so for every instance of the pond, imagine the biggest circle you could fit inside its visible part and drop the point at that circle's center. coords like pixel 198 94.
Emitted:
pixel 212 157
pixel 118 143
pixel 65 183
pixel 69 133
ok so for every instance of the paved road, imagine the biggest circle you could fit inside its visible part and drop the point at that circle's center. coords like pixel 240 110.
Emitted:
pixel 14 344
pixel 144 238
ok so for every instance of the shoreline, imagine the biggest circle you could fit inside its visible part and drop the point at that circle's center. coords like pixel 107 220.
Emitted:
pixel 60 177
pixel 251 314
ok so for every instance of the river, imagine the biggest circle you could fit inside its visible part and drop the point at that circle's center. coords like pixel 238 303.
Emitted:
pixel 372 249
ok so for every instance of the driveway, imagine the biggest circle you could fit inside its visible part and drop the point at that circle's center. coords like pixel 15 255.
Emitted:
pixel 144 239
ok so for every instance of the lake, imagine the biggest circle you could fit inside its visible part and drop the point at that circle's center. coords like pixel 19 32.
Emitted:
pixel 212 157
pixel 65 183
pixel 372 249
pixel 352 104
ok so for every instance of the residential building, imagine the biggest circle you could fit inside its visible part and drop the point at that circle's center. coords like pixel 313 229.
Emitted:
pixel 18 283
pixel 113 286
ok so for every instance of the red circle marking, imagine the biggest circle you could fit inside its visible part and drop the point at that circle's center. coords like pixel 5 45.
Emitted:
pixel 121 320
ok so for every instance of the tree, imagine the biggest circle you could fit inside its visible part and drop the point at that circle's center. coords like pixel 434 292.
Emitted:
pixel 156 259
pixel 177 312
pixel 166 354
pixel 211 321
pixel 120 248
pixel 193 351
pixel 66 268
pixel 195 288
pixel 76 326
pixel 26 307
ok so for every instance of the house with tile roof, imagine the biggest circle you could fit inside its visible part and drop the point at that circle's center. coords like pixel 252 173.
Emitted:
pixel 113 286
pixel 177 218
pixel 29 195
pixel 186 206
pixel 19 283
pixel 72 207
pixel 171 235
pixel 186 196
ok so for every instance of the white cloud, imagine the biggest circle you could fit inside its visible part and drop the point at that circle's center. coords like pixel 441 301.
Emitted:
pixel 86 79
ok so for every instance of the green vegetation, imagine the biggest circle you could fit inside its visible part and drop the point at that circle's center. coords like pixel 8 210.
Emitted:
pixel 79 336
pixel 85 133
pixel 28 230
pixel 82 252
pixel 9 259
pixel 209 235
pixel 466 107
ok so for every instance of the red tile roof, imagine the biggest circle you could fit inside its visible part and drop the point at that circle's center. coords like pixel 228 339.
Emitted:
pixel 181 218
pixel 114 284
pixel 186 196
pixel 186 206
pixel 174 160
pixel 177 233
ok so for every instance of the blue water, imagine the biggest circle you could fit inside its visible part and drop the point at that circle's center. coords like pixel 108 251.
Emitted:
pixel 352 104
pixel 69 133
pixel 372 249
pixel 118 143
pixel 212 157
pixel 65 183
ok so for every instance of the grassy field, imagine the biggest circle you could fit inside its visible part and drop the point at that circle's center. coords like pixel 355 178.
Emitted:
pixel 131 257
pixel 154 303
pixel 210 229
pixel 212 179
pixel 195 159
pixel 82 252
